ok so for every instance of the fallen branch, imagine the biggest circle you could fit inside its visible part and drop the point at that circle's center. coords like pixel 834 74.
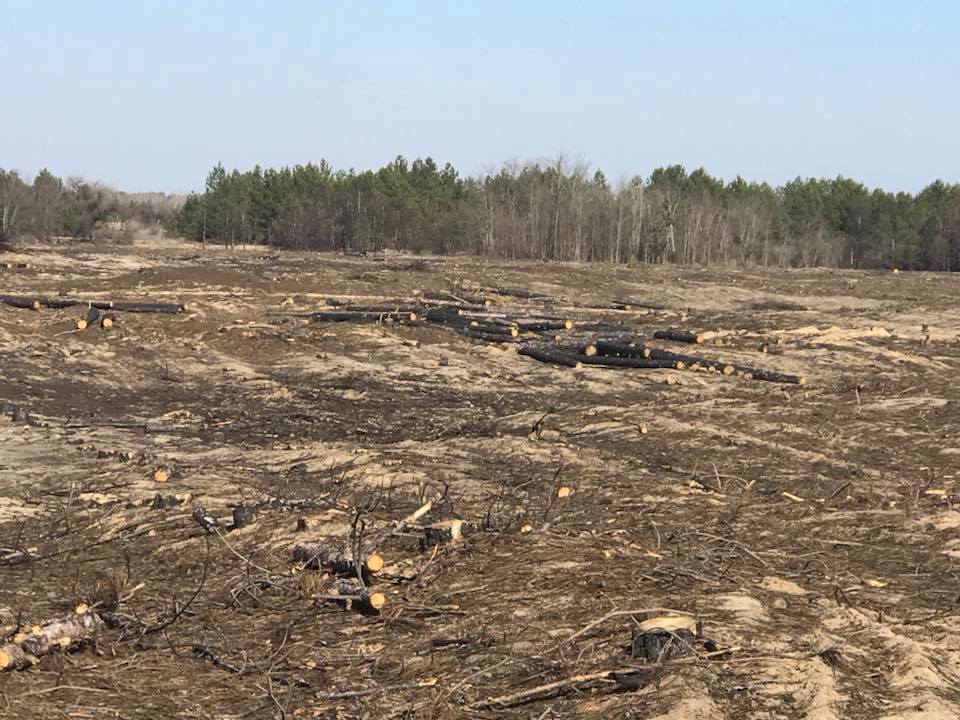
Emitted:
pixel 27 648
pixel 542 692
pixel 679 336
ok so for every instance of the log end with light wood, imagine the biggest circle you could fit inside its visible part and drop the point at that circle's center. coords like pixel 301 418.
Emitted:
pixel 162 473
pixel 679 336
pixel 355 595
pixel 320 557
pixel 89 319
pixel 27 647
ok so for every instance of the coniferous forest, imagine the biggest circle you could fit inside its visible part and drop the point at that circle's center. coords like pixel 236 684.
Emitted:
pixel 547 211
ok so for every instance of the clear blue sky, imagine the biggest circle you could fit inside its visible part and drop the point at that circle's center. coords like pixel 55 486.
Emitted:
pixel 148 95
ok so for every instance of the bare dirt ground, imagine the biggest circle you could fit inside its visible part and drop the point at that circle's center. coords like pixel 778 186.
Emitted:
pixel 811 530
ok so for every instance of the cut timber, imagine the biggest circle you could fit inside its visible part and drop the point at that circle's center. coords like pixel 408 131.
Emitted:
pixel 355 594
pixel 663 638
pixel 769 376
pixel 605 347
pixel 378 309
pixel 320 557
pixel 360 316
pixel 549 356
pixel 35 303
pixel 18 301
pixel 630 362
pixel 162 473
pixel 678 336
pixel 142 307
pixel 26 648
pixel 107 322
pixel 490 337
pixel 89 319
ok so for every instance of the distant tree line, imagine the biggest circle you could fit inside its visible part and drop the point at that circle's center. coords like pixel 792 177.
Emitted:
pixel 49 206
pixel 551 211
pixel 560 211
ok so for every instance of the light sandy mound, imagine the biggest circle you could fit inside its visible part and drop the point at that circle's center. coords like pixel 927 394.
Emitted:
pixel 779 585
pixel 819 693
pixel 927 708
pixel 694 702
pixel 747 609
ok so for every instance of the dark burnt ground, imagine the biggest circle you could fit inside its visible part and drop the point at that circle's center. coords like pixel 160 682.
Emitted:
pixel 810 528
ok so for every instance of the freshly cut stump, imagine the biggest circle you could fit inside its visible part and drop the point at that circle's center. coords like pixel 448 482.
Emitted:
pixel 663 638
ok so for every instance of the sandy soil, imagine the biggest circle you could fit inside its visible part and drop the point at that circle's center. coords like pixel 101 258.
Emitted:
pixel 811 530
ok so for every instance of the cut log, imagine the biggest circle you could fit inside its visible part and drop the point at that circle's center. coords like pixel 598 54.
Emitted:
pixel 89 319
pixel 35 303
pixel 162 473
pixel 59 303
pixel 355 594
pixel 678 336
pixel 359 316
pixel 489 337
pixel 614 349
pixel 550 356
pixel 320 557
pixel 769 376
pixel 27 648
pixel 630 362
pixel 663 638
pixel 143 307
pixel 19 301
pixel 106 322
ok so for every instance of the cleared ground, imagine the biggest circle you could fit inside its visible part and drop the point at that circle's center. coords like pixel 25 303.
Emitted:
pixel 811 529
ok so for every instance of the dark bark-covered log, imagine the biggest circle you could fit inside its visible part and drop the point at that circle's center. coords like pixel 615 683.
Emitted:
pixel 378 309
pixel 614 349
pixel 690 360
pixel 663 638
pixel 769 376
pixel 549 356
pixel 144 307
pixel 61 303
pixel 489 336
pixel 355 595
pixel 89 319
pixel 362 317
pixel 22 302
pixel 35 303
pixel 678 336
pixel 630 362
pixel 27 648
pixel 540 326
pixel 320 557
